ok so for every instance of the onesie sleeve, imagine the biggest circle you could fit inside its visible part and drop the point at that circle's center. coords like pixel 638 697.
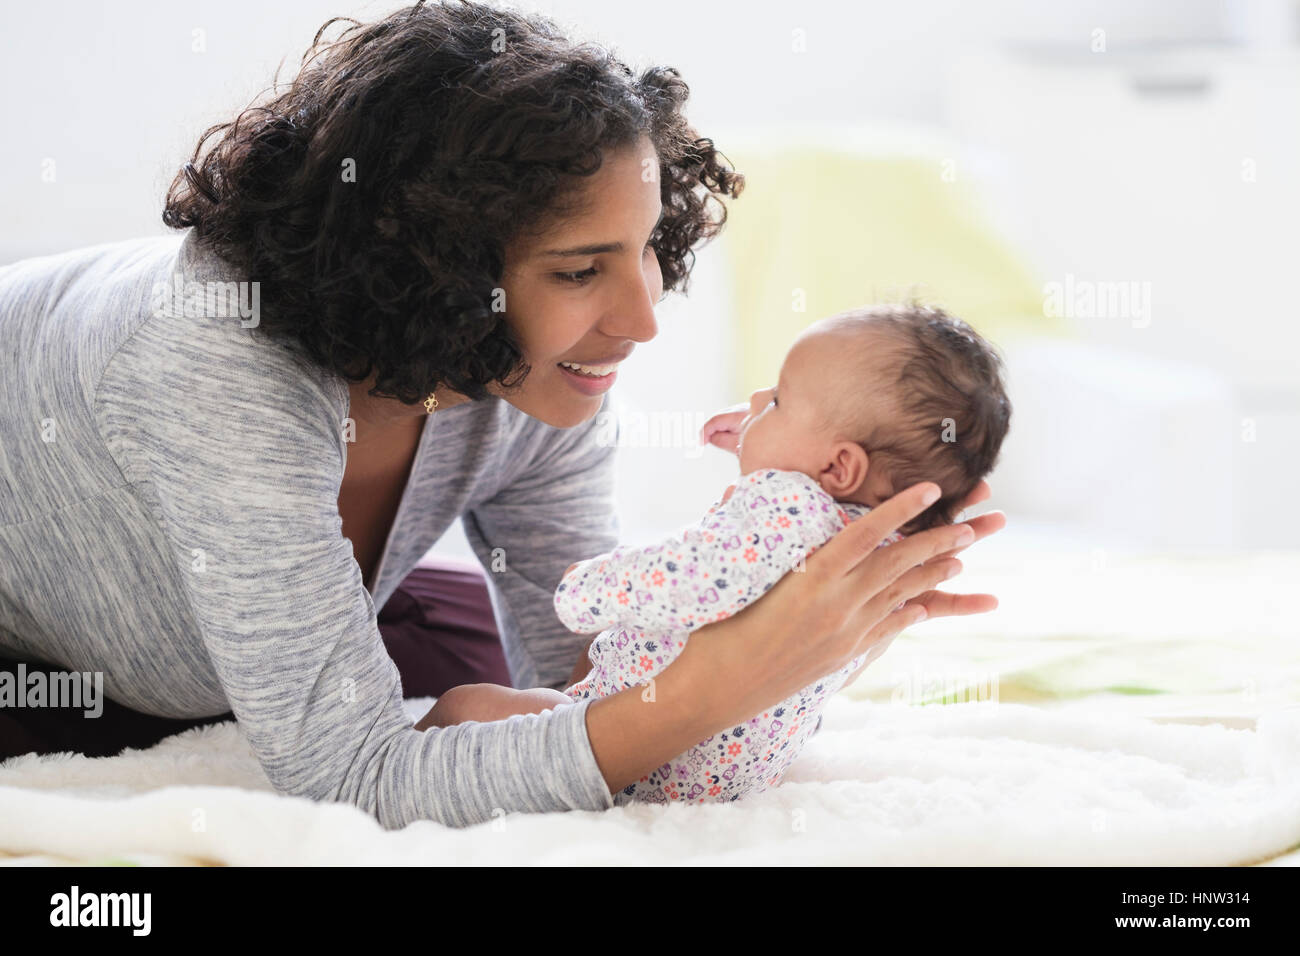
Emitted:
pixel 706 572
pixel 237 451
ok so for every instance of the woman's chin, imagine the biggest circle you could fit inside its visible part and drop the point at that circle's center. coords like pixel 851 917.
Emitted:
pixel 563 414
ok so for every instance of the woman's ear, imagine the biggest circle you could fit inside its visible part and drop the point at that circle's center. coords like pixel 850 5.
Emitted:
pixel 845 472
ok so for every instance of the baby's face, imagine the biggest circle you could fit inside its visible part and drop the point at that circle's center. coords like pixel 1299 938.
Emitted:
pixel 793 425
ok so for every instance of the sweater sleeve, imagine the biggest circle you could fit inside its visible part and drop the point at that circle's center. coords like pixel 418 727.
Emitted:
pixel 706 572
pixel 240 463
pixel 557 507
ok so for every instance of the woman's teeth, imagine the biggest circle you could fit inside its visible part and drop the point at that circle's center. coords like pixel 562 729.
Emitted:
pixel 596 371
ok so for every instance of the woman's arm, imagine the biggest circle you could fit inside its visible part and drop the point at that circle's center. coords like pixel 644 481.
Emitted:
pixel 638 729
pixel 235 451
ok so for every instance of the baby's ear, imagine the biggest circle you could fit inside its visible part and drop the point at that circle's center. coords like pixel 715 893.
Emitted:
pixel 845 470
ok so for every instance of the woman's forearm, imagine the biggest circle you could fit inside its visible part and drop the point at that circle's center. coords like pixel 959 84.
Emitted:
pixel 641 728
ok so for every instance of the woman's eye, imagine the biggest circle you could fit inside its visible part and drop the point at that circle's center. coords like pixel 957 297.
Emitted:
pixel 577 278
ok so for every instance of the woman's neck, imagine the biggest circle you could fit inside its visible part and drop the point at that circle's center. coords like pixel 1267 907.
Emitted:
pixel 376 417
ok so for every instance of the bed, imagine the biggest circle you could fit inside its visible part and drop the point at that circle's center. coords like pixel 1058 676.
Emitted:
pixel 1117 709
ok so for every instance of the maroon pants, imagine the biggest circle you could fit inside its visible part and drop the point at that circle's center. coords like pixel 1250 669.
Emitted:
pixel 438 628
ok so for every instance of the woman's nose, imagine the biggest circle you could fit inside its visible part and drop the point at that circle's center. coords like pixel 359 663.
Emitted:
pixel 642 326
pixel 635 315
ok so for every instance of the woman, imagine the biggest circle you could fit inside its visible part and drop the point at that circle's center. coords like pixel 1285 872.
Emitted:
pixel 437 241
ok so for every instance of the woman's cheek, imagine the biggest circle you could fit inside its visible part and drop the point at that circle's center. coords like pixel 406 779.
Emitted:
pixel 553 333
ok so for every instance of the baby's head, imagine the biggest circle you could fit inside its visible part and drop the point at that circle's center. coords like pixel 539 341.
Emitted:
pixel 871 401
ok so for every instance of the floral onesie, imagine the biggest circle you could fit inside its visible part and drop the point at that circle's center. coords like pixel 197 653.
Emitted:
pixel 645 602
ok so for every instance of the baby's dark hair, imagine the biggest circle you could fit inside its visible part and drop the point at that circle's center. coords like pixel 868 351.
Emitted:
pixel 954 411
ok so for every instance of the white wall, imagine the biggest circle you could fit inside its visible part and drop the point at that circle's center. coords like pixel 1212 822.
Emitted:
pixel 116 97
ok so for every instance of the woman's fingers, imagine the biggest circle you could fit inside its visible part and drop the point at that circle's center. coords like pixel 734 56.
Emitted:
pixel 910 584
pixel 981 492
pixel 983 526
pixel 877 640
pixel 943 604
pixel 924 606
pixel 854 544
pixel 847 549
pixel 916 558
pixel 915 589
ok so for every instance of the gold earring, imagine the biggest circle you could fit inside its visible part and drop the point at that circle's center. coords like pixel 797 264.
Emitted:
pixel 430 403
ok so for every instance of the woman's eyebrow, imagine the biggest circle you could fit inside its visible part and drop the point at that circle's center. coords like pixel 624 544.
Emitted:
pixel 594 249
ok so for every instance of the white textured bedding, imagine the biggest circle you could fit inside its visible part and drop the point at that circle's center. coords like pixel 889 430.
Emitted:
pixel 1067 766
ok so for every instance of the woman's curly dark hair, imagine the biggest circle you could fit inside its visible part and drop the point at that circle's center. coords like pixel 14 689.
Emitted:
pixel 467 127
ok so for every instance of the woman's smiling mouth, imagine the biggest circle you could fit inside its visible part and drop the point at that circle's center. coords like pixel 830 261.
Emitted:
pixel 588 382
pixel 596 376
pixel 593 370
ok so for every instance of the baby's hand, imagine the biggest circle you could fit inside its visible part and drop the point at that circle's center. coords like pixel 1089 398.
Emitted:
pixel 489 702
pixel 723 429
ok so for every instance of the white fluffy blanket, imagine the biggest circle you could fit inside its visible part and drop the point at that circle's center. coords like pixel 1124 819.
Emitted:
pixel 968 784
pixel 1071 766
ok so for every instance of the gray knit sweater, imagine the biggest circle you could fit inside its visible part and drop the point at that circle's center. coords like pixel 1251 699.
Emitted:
pixel 169 517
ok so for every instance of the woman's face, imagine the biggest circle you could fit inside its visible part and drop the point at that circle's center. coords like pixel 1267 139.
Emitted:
pixel 584 292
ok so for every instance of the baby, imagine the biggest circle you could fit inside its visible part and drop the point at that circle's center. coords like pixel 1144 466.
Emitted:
pixel 868 402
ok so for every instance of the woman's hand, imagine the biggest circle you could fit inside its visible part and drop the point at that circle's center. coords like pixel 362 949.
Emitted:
pixel 943 604
pixel 723 429
pixel 488 702
pixel 844 603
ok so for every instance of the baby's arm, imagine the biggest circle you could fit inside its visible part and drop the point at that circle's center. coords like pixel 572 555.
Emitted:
pixel 742 546
pixel 583 666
